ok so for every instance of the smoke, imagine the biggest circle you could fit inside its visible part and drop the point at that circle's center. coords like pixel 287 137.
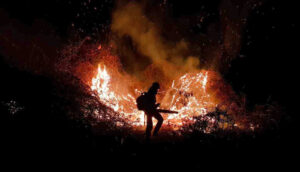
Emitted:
pixel 171 58
pixel 214 48
pixel 36 50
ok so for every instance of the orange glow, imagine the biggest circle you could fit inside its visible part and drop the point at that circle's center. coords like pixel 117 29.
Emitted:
pixel 116 97
pixel 188 95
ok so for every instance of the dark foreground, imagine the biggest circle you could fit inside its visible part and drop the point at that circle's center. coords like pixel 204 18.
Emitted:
pixel 40 132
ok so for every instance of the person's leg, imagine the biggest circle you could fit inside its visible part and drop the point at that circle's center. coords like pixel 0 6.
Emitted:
pixel 159 123
pixel 149 126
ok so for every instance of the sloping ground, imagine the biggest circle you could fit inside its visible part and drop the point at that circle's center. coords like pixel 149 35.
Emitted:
pixel 41 117
pixel 43 122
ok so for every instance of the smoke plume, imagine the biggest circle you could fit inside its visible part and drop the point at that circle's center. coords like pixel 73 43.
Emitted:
pixel 130 20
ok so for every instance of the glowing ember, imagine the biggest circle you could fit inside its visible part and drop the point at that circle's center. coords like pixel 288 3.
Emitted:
pixel 187 95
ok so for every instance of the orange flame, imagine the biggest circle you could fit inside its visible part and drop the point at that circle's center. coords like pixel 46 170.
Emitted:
pixel 119 101
pixel 188 95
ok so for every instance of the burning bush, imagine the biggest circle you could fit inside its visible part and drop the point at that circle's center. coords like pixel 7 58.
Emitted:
pixel 195 95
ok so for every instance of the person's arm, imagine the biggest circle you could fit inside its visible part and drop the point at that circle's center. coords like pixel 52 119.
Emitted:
pixel 156 104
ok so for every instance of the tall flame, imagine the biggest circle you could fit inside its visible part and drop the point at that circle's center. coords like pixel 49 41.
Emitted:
pixel 188 95
pixel 123 103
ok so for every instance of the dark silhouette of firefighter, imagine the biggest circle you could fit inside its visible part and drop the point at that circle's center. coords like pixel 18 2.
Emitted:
pixel 147 103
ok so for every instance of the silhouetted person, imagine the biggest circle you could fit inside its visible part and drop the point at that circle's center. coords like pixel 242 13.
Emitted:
pixel 151 111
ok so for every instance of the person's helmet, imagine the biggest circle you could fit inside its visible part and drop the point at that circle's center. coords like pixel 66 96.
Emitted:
pixel 155 85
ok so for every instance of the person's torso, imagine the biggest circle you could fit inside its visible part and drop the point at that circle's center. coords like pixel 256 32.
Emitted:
pixel 151 101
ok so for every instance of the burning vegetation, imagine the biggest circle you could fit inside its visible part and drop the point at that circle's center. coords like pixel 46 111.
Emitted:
pixel 200 95
pixel 190 95
pixel 116 68
pixel 223 72
pixel 135 54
